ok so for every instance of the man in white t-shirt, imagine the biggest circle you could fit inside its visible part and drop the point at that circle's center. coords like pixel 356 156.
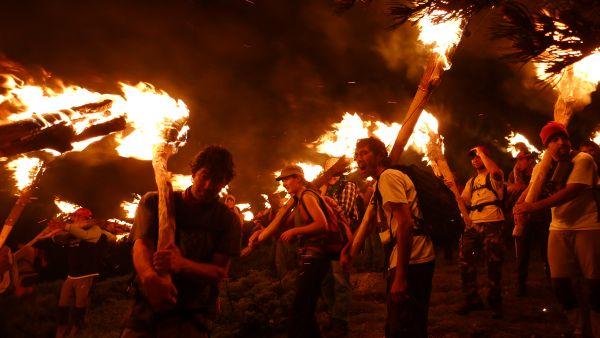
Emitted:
pixel 483 195
pixel 574 240
pixel 412 259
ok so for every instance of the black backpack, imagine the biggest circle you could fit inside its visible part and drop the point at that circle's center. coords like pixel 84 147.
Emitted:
pixel 441 217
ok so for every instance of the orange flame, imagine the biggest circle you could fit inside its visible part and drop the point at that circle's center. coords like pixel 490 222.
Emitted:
pixel 596 138
pixel 149 111
pixel 131 207
pixel 245 209
pixel 425 129
pixel 65 207
pixel 515 138
pixel 440 34
pixel 181 182
pixel 25 169
pixel 267 204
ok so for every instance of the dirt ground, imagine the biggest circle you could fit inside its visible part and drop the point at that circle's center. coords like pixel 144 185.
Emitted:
pixel 534 316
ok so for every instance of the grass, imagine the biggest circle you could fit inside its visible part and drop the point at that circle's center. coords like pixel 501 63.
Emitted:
pixel 257 303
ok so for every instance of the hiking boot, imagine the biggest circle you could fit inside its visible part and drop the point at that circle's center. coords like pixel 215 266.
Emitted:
pixel 469 307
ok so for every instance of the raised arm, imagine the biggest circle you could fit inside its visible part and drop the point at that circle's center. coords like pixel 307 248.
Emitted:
pixel 490 165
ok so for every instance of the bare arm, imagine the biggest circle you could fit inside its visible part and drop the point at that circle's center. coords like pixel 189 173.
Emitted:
pixel 158 290
pixel 90 235
pixel 276 222
pixel 364 229
pixel 566 194
pixel 403 247
pixel 213 271
pixel 491 166
pixel 142 257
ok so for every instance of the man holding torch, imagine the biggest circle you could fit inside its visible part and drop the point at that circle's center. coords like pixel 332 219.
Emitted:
pixel 177 287
pixel 537 224
pixel 574 240
pixel 412 259
pixel 483 195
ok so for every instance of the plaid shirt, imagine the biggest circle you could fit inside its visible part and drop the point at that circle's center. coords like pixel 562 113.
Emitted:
pixel 345 194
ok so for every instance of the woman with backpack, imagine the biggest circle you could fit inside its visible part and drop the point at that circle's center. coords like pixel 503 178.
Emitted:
pixel 314 226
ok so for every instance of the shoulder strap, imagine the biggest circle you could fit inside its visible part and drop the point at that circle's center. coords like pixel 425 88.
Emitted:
pixel 488 185
pixel 301 202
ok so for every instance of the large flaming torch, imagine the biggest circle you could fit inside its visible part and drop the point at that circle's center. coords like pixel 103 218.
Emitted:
pixel 428 141
pixel 442 34
pixel 26 172
pixel 574 87
pixel 159 123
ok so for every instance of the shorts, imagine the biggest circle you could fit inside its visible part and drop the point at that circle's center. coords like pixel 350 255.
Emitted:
pixel 573 253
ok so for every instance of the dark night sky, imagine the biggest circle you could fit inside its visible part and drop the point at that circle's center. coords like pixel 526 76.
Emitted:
pixel 263 78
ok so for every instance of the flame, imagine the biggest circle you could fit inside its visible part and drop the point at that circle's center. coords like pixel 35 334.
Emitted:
pixel 248 215
pixel 151 112
pixel 243 206
pixel 585 72
pixel 440 34
pixel 341 141
pixel 25 169
pixel 311 171
pixel 32 100
pixel 65 207
pixel 131 207
pixel 426 128
pixel 387 133
pixel 267 204
pixel 596 138
pixel 245 210
pixel 224 191
pixel 515 138
pixel 181 182
pixel 125 235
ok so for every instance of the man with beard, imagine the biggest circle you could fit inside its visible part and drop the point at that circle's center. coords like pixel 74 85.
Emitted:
pixel 177 287
pixel 483 195
pixel 574 240
pixel 411 262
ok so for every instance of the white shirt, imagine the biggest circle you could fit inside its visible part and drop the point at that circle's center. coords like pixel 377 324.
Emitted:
pixel 489 213
pixel 580 213
pixel 396 187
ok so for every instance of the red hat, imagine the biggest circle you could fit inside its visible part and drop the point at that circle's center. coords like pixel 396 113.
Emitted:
pixel 551 129
pixel 83 212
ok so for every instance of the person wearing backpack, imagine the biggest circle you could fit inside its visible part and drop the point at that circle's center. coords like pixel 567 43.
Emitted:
pixel 411 262
pixel 574 240
pixel 336 286
pixel 312 226
pixel 483 194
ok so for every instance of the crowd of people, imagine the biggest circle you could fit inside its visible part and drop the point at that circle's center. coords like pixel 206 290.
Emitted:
pixel 327 223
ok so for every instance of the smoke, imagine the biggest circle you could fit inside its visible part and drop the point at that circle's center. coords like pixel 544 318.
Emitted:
pixel 261 78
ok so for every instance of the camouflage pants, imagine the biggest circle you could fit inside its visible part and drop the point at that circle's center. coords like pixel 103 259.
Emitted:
pixel 483 239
